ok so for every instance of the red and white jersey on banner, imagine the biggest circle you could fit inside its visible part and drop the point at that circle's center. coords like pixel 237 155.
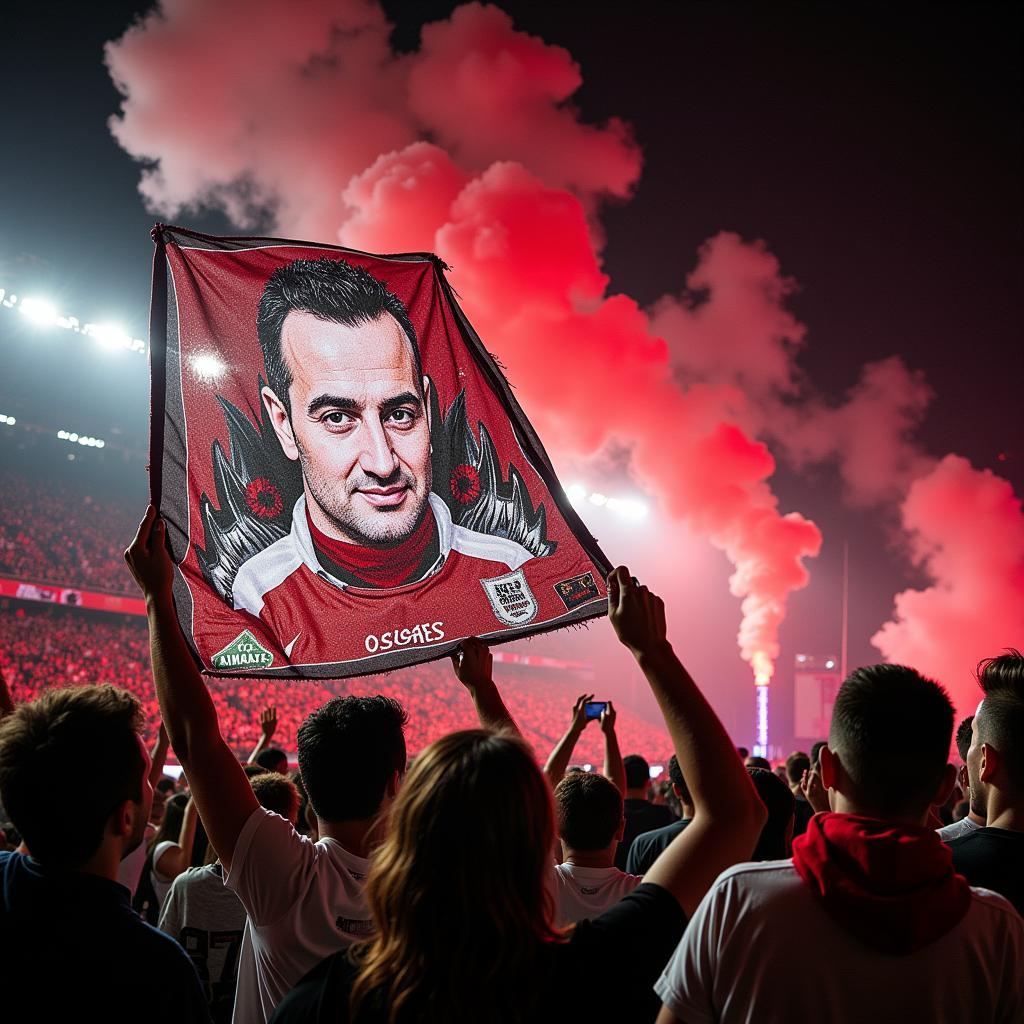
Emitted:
pixel 295 604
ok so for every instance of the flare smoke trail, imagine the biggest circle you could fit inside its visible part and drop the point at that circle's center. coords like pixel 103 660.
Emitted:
pixel 301 115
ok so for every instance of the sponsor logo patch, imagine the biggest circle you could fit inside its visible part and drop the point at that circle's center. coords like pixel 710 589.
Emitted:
pixel 244 652
pixel 576 591
pixel 511 598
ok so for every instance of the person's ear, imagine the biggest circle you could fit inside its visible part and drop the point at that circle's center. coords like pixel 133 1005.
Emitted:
pixel 679 796
pixel 621 830
pixel 394 784
pixel 945 787
pixel 963 779
pixel 830 768
pixel 990 762
pixel 122 820
pixel 281 422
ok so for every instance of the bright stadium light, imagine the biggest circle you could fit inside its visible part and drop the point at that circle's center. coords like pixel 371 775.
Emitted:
pixel 108 336
pixel 7 420
pixel 40 311
pixel 597 498
pixel 85 440
pixel 207 366
pixel 576 493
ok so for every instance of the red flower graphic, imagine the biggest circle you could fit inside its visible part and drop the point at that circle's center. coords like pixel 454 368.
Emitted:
pixel 465 484
pixel 263 498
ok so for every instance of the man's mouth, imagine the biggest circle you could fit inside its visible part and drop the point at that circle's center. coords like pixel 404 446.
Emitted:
pixel 385 497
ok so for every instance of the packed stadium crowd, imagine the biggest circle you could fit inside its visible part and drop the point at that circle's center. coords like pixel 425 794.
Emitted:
pixel 488 877
pixel 60 532
pixel 41 647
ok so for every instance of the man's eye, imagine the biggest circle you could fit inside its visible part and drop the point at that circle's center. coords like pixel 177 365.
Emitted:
pixel 337 419
pixel 402 417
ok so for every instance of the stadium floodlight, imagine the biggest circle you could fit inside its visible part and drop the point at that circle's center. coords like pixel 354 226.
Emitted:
pixel 576 493
pixel 108 336
pixel 7 420
pixel 41 312
pixel 207 366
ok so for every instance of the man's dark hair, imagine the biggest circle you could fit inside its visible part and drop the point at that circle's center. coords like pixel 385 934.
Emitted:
pixel 44 744
pixel 1000 724
pixel 638 772
pixel 964 734
pixel 167 785
pixel 816 753
pixel 348 750
pixel 796 764
pixel 276 793
pixel 272 758
pixel 781 805
pixel 589 811
pixel 891 729
pixel 1004 671
pixel 743 752
pixel 331 290
pixel 675 776
pixel 759 762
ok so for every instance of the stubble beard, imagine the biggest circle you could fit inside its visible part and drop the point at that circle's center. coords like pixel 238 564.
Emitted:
pixel 379 528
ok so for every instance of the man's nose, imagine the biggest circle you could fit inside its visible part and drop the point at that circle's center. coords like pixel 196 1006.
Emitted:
pixel 377 457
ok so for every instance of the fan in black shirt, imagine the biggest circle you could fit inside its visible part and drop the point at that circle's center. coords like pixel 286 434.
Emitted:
pixel 993 857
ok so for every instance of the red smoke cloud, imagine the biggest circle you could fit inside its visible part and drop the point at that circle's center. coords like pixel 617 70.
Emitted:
pixel 966 529
pixel 303 110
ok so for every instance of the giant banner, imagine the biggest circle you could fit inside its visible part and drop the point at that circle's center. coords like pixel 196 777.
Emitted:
pixel 348 483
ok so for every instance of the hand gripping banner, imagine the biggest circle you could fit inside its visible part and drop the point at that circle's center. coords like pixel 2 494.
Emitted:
pixel 348 483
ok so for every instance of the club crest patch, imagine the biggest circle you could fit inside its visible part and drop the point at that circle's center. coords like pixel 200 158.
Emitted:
pixel 511 598
pixel 576 591
pixel 244 652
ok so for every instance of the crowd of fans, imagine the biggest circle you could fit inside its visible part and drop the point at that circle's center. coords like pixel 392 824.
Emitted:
pixel 41 647
pixel 57 532
pixel 489 877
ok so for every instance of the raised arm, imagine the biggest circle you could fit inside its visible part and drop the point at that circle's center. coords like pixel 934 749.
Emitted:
pixel 614 769
pixel 175 860
pixel 158 757
pixel 472 663
pixel 728 814
pixel 558 759
pixel 222 793
pixel 268 726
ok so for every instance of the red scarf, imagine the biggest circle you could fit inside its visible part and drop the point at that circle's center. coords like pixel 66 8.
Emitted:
pixel 893 886
pixel 378 567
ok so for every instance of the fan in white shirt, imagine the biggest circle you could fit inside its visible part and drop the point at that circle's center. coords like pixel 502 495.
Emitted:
pixel 590 824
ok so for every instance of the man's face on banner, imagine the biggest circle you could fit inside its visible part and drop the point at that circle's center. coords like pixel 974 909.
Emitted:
pixel 359 426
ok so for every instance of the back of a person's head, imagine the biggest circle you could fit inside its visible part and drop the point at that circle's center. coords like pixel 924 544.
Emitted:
pixel 816 753
pixel 274 759
pixel 891 730
pixel 277 793
pixel 43 746
pixel 675 776
pixel 778 799
pixel 796 764
pixel 170 826
pixel 1000 724
pixel 638 772
pixel 964 735
pixel 756 761
pixel 588 811
pixel 1005 671
pixel 461 874
pixel 252 770
pixel 349 748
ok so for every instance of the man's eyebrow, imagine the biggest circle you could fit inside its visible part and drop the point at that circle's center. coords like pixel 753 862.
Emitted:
pixel 405 398
pixel 333 402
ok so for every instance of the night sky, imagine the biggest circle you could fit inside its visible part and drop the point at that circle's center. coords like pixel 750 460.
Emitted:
pixel 877 151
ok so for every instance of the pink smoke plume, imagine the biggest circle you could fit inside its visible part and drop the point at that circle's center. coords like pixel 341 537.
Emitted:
pixel 303 113
pixel 966 529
